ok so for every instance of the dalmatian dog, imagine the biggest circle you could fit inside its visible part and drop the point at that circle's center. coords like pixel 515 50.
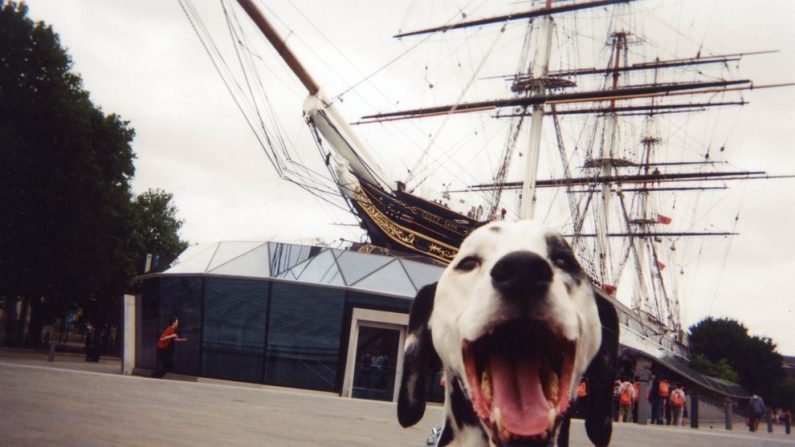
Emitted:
pixel 514 322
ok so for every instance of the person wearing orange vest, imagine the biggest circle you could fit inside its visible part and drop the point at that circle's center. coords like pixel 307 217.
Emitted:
pixel 165 348
pixel 678 402
pixel 636 385
pixel 626 396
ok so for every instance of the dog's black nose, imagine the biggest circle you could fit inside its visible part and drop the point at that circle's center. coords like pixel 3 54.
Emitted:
pixel 520 273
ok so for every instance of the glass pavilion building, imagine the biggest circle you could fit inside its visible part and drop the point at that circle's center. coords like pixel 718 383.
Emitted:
pixel 284 314
pixel 316 318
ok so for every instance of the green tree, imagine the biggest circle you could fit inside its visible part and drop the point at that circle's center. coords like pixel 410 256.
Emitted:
pixel 65 170
pixel 784 394
pixel 754 358
pixel 721 369
pixel 157 229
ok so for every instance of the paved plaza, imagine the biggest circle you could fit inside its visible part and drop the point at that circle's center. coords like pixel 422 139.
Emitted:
pixel 73 403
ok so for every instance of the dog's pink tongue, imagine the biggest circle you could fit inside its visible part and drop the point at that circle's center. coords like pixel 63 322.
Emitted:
pixel 518 394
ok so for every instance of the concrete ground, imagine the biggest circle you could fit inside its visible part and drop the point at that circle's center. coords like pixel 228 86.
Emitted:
pixel 70 402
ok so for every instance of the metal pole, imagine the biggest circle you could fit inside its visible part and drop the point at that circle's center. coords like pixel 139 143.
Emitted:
pixel 729 414
pixel 694 410
pixel 277 42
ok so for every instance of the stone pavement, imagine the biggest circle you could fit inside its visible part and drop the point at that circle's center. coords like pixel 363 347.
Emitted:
pixel 73 403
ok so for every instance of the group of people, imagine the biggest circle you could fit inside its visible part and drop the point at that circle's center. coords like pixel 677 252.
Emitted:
pixel 668 402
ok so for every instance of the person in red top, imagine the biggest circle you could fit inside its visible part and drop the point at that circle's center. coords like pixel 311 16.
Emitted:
pixel 165 348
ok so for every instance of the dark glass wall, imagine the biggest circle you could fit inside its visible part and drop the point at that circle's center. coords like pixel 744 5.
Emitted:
pixel 235 312
pixel 255 330
pixel 181 297
pixel 148 328
pixel 304 332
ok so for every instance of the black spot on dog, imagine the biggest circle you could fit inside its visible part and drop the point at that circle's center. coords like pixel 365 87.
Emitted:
pixel 418 360
pixel 495 229
pixel 461 406
pixel 447 434
pixel 561 255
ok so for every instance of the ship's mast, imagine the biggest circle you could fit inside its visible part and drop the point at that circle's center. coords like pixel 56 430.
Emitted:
pixel 539 71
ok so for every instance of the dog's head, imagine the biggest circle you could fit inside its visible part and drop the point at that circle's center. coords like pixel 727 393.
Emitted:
pixel 515 322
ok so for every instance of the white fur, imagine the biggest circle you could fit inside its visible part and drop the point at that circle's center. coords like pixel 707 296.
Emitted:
pixel 467 306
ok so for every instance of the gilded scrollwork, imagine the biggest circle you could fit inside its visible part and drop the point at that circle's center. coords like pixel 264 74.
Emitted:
pixel 403 236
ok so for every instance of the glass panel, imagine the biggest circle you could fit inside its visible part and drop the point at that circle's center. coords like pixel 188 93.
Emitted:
pixel 376 357
pixel 254 263
pixel 378 302
pixel 320 269
pixel 194 259
pixel 391 279
pixel 181 297
pixel 233 342
pixel 357 265
pixel 147 331
pixel 422 274
pixel 231 250
pixel 285 256
pixel 304 336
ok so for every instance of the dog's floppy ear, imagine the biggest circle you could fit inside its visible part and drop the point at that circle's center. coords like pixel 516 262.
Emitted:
pixel 419 359
pixel 601 373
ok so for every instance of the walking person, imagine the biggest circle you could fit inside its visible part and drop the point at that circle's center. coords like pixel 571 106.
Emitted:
pixel 756 409
pixel 663 392
pixel 635 403
pixel 626 396
pixel 91 343
pixel 165 348
pixel 653 398
pixel 678 402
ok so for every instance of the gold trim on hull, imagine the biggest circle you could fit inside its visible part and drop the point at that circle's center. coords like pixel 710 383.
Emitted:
pixel 401 235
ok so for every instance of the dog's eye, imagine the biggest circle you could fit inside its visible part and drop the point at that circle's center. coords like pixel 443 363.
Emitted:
pixel 565 262
pixel 469 263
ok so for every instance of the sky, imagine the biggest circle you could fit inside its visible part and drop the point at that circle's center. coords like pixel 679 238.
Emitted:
pixel 143 61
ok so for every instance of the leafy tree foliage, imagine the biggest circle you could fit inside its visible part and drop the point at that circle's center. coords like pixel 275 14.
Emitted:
pixel 70 233
pixel 784 394
pixel 157 229
pixel 754 358
pixel 721 369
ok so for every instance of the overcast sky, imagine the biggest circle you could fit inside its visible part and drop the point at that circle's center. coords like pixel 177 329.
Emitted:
pixel 142 60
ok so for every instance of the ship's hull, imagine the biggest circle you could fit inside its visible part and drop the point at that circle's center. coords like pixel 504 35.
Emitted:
pixel 406 223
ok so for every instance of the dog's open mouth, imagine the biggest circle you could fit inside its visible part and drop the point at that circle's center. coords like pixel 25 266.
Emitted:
pixel 519 375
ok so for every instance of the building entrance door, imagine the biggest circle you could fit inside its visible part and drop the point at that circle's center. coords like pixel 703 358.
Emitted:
pixel 376 363
pixel 375 354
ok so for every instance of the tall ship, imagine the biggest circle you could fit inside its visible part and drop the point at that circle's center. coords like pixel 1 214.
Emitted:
pixel 568 112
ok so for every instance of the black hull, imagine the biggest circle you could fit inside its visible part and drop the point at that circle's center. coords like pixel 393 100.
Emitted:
pixel 406 223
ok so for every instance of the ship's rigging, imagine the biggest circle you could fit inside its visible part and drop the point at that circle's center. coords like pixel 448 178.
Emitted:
pixel 615 180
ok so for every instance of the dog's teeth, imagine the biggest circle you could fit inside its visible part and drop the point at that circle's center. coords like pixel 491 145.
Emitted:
pixel 552 387
pixel 504 434
pixel 485 385
pixel 551 419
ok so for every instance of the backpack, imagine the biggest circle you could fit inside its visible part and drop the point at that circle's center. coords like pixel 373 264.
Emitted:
pixel 677 399
pixel 625 398
pixel 662 389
